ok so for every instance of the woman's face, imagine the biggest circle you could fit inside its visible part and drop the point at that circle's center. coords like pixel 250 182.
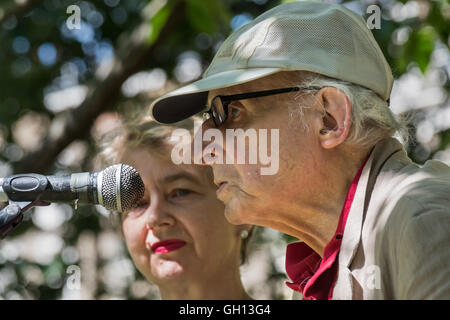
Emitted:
pixel 178 231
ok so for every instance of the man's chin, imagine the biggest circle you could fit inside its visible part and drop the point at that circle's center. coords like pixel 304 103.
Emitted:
pixel 232 212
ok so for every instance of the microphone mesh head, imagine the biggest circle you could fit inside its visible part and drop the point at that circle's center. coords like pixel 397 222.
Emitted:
pixel 130 185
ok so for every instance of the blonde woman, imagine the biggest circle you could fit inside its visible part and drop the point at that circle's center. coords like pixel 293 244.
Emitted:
pixel 177 235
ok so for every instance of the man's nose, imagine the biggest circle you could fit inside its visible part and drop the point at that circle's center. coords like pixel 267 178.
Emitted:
pixel 199 145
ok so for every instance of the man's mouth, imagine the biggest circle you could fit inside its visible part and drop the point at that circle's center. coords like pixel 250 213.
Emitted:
pixel 221 185
pixel 167 245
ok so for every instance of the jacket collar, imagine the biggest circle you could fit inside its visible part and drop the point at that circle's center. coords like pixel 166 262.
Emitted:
pixel 382 151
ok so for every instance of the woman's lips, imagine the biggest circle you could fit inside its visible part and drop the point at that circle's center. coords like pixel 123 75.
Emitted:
pixel 167 245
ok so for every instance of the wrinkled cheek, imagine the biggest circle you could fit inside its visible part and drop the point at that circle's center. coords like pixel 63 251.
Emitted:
pixel 251 178
pixel 234 210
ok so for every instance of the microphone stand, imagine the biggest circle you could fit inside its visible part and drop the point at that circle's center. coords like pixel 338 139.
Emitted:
pixel 12 214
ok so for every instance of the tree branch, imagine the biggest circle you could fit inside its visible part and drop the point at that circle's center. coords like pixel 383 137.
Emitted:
pixel 101 94
pixel 18 10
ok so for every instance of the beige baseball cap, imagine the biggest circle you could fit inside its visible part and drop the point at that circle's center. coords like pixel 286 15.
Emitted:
pixel 324 38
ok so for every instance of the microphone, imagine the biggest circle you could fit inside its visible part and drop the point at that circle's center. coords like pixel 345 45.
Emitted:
pixel 117 187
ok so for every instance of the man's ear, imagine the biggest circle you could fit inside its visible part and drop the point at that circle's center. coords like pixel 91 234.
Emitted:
pixel 336 120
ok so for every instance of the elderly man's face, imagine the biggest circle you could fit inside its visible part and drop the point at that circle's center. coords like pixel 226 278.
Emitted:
pixel 249 196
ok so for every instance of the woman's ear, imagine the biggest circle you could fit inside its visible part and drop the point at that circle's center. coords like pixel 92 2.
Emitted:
pixel 245 230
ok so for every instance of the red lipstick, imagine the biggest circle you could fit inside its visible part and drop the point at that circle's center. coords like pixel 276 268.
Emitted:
pixel 167 245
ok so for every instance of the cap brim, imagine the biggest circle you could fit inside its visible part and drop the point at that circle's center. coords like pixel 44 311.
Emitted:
pixel 191 99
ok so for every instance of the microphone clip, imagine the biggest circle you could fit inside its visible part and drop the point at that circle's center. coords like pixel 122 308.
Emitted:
pixel 12 215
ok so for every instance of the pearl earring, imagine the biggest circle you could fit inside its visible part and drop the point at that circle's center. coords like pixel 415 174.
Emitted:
pixel 244 234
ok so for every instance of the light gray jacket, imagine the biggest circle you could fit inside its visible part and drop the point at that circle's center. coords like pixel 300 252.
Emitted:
pixel 396 242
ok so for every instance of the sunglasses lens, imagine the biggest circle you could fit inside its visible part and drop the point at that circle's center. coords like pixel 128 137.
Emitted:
pixel 218 111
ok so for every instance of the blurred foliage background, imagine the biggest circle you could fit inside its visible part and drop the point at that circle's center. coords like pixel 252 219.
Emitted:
pixel 62 89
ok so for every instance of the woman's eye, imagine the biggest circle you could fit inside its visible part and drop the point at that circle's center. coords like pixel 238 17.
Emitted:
pixel 138 206
pixel 141 203
pixel 180 193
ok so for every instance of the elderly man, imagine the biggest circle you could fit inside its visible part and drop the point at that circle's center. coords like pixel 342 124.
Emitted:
pixel 373 224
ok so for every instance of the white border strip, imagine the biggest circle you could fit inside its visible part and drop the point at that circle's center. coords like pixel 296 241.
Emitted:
pixel 99 187
pixel 118 175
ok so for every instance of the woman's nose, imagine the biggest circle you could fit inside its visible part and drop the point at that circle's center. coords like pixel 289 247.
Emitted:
pixel 158 216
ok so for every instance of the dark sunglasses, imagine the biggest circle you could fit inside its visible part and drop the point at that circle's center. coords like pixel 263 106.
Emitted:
pixel 218 110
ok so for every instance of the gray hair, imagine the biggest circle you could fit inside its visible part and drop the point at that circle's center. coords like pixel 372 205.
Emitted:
pixel 372 119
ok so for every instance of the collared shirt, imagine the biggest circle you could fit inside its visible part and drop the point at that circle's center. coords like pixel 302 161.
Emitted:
pixel 312 275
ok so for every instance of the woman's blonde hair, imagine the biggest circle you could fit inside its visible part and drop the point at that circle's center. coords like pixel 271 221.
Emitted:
pixel 138 130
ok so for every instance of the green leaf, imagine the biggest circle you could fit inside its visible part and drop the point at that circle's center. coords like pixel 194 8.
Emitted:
pixel 159 20
pixel 207 16
pixel 438 21
pixel 425 40
pixel 286 1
